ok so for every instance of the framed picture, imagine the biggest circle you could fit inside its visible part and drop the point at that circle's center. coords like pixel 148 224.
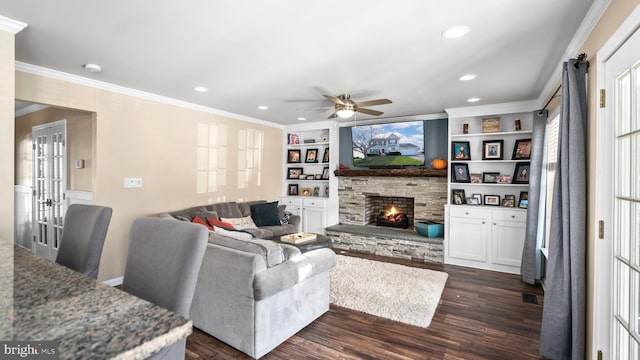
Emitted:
pixel 491 125
pixel 293 189
pixel 504 179
pixel 478 198
pixel 522 150
pixel 325 174
pixel 293 157
pixel 492 149
pixel 460 150
pixel 294 173
pixel 473 200
pixel 490 177
pixel 326 191
pixel 521 174
pixel 312 156
pixel 316 191
pixel 457 196
pixel 325 157
pixel 508 202
pixel 512 197
pixel 476 178
pixel 492 200
pixel 523 203
pixel 460 173
pixel 305 191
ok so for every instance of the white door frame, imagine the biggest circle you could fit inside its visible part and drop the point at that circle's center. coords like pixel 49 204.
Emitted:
pixel 603 248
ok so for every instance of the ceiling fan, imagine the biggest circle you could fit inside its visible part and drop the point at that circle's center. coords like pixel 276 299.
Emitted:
pixel 345 107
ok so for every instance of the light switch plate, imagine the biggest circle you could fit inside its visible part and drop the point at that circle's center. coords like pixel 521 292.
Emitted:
pixel 132 182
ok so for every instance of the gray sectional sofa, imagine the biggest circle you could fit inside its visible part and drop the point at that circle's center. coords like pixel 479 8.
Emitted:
pixel 252 293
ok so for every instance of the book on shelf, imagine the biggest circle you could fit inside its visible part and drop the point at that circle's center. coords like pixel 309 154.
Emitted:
pixel 298 238
pixel 293 139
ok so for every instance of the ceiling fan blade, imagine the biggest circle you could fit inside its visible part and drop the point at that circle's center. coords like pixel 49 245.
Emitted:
pixel 333 116
pixel 373 102
pixel 369 111
pixel 334 99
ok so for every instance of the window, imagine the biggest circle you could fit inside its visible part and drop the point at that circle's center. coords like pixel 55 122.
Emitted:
pixel 550 166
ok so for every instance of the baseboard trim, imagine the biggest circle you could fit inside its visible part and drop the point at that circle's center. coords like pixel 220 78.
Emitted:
pixel 114 282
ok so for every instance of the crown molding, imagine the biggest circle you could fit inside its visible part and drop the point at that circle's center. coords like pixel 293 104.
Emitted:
pixel 494 109
pixel 589 22
pixel 30 109
pixel 79 80
pixel 10 25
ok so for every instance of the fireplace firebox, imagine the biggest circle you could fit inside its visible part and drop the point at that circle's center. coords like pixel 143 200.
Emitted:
pixel 393 217
pixel 390 211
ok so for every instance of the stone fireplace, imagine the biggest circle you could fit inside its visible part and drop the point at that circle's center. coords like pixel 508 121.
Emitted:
pixel 420 194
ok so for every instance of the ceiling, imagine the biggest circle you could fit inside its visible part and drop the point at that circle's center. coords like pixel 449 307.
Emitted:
pixel 285 54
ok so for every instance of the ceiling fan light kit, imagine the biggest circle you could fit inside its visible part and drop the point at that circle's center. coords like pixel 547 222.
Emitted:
pixel 345 107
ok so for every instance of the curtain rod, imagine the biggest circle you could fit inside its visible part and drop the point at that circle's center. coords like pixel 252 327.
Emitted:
pixel 582 57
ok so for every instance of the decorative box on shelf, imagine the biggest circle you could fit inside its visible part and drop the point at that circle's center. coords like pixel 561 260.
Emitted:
pixel 298 238
pixel 430 229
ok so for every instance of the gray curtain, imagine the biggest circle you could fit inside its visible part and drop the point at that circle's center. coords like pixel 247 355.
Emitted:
pixel 563 315
pixel 531 254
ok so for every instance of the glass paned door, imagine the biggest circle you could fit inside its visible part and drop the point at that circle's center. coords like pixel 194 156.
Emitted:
pixel 626 234
pixel 49 182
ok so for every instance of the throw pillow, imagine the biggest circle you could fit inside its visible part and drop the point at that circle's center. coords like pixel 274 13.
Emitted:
pixel 265 214
pixel 220 224
pixel 241 223
pixel 198 220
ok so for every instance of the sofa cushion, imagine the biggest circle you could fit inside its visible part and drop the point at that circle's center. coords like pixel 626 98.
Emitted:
pixel 261 233
pixel 245 207
pixel 236 234
pixel 265 214
pixel 241 222
pixel 198 220
pixel 270 251
pixel 228 209
pixel 220 224
pixel 187 214
pixel 279 230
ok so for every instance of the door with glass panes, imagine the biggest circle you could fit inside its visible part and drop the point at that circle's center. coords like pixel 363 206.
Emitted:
pixel 49 184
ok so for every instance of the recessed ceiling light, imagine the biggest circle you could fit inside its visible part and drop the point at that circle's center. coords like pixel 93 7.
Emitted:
pixel 468 77
pixel 302 118
pixel 200 89
pixel 473 100
pixel 263 107
pixel 455 32
pixel 94 68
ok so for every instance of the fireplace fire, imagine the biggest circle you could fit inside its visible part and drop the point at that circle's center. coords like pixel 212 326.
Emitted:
pixel 393 217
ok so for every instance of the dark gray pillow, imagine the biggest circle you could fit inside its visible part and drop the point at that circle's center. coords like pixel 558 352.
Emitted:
pixel 265 214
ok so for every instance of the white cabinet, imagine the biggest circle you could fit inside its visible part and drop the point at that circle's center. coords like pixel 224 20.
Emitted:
pixel 485 238
pixel 483 235
pixel 313 212
pixel 309 185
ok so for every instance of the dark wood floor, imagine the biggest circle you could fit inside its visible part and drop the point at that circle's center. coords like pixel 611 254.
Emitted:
pixel 481 316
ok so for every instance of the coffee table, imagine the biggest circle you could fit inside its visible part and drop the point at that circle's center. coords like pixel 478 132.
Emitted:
pixel 320 242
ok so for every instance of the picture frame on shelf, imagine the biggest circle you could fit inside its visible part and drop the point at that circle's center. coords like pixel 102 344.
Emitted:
pixel 325 174
pixel 492 200
pixel 490 177
pixel 504 179
pixel 326 191
pixel 324 137
pixel 476 178
pixel 492 149
pixel 460 173
pixel 325 157
pixel 490 125
pixel 523 202
pixel 316 191
pixel 457 197
pixel 472 200
pixel 508 202
pixel 311 156
pixel 305 191
pixel 294 173
pixel 521 150
pixel 460 150
pixel 292 190
pixel 521 173
pixel 478 198
pixel 293 156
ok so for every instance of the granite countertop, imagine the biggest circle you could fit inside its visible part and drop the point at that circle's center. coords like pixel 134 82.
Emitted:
pixel 88 320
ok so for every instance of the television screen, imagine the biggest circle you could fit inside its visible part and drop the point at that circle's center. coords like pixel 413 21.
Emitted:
pixel 393 145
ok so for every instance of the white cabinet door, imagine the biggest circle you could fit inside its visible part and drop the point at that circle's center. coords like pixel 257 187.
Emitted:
pixel 507 241
pixel 314 216
pixel 468 238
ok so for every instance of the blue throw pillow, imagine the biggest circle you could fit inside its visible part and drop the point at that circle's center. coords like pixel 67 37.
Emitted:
pixel 265 214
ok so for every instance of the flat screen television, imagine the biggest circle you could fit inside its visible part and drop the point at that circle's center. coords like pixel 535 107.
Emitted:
pixel 388 145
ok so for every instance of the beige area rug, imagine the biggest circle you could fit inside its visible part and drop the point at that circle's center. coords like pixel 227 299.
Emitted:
pixel 397 292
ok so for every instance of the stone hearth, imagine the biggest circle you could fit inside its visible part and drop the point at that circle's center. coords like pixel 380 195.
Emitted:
pixel 428 189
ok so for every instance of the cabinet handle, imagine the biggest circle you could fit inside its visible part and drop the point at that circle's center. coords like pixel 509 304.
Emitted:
pixel 483 223
pixel 513 216
pixel 495 224
pixel 466 213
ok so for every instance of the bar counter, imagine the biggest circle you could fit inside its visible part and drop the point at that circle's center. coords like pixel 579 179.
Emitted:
pixel 87 319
